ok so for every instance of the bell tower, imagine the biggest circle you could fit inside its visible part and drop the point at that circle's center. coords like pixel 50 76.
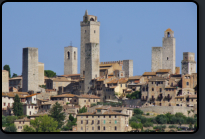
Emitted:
pixel 90 33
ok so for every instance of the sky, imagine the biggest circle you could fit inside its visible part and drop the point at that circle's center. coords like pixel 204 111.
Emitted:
pixel 127 31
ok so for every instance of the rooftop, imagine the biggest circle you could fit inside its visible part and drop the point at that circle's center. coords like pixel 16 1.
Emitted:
pixel 164 70
pixel 149 73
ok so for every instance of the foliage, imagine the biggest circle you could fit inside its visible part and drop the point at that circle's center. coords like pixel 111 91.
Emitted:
pixel 190 126
pixel 3 121
pixel 137 111
pixel 44 124
pixel 42 86
pixel 82 110
pixel 10 120
pixel 6 67
pixel 136 125
pixel 57 114
pixel 134 95
pixel 70 124
pixel 10 128
pixel 161 119
pixel 49 73
pixel 27 128
pixel 71 118
pixel 21 117
pixel 14 75
pixel 93 104
pixel 147 113
pixel 190 120
pixel 17 106
pixel 148 124
pixel 67 103
pixel 172 126
pixel 169 117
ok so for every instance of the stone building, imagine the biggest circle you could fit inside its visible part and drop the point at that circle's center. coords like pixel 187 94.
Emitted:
pixel 164 57
pixel 102 121
pixel 5 81
pixel 92 59
pixel 90 33
pixel 20 123
pixel 188 63
pixel 70 60
pixel 40 73
pixel 128 68
pixel 16 82
pixel 30 69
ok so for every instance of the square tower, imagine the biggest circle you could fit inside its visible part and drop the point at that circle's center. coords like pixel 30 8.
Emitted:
pixel 92 60
pixel 5 81
pixel 70 60
pixel 188 63
pixel 90 33
pixel 168 51
pixel 30 69
pixel 156 58
pixel 128 68
pixel 40 73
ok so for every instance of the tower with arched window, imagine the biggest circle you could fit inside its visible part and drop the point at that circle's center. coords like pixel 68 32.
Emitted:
pixel 90 33
pixel 70 60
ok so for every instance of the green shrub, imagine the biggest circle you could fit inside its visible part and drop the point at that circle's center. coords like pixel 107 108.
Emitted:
pixel 172 126
pixel 148 124
pixel 147 113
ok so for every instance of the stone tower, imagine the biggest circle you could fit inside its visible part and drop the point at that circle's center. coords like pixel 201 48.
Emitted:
pixel 90 33
pixel 188 63
pixel 40 73
pixel 5 81
pixel 128 68
pixel 92 60
pixel 168 51
pixel 156 58
pixel 70 60
pixel 30 69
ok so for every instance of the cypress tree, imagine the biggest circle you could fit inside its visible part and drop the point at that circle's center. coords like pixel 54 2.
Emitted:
pixel 17 106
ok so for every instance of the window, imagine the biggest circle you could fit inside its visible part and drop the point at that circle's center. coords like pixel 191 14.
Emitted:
pixel 98 127
pixel 115 116
pixel 192 100
pixel 187 83
pixel 86 121
pixel 104 116
pixel 98 116
pixel 92 122
pixel 86 116
pixel 92 128
pixel 152 89
pixel 98 121
pixel 121 85
pixel 81 128
pixel 94 31
pixel 85 31
pixel 168 34
pixel 84 100
pixel 34 98
pixel 115 127
pixel 115 121
pixel 92 116
pixel 109 116
pixel 74 55
pixel 167 58
pixel 103 121
pixel 20 122
pixel 160 89
pixel 88 100
pixel 152 82
pixel 81 121
pixel 110 121
pixel 68 55
pixel 104 128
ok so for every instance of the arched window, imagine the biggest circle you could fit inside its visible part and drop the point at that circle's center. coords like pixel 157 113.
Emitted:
pixel 74 55
pixel 91 19
pixel 68 55
pixel 168 34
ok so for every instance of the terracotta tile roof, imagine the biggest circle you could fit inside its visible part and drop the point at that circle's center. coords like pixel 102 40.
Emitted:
pixel 112 81
pixel 64 95
pixel 169 30
pixel 134 77
pixel 70 75
pixel 163 70
pixel 88 96
pixel 13 94
pixel 157 79
pixel 136 81
pixel 149 73
pixel 31 95
pixel 123 80
pixel 192 96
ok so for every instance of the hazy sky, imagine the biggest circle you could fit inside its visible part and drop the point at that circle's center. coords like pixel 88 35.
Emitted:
pixel 127 31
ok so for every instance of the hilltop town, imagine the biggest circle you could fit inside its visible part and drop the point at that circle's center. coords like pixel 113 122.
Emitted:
pixel 105 96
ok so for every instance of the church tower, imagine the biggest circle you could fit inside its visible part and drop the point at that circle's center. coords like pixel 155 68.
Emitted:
pixel 168 51
pixel 70 60
pixel 90 33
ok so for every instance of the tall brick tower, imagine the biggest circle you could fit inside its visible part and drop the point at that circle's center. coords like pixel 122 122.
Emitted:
pixel 70 60
pixel 188 63
pixel 92 60
pixel 90 33
pixel 30 69
pixel 168 51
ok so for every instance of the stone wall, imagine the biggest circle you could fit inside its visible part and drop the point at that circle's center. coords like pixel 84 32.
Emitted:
pixel 128 68
pixel 40 73
pixel 166 109
pixel 92 60
pixel 5 81
pixel 156 58
pixel 30 69
pixel 70 60
pixel 188 63
pixel 132 103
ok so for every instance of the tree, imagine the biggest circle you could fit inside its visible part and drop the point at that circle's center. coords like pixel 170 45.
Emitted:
pixel 10 128
pixel 71 118
pixel 43 124
pixel 3 121
pixel 57 114
pixel 134 95
pixel 168 117
pixel 161 119
pixel 49 73
pixel 10 120
pixel 17 106
pixel 27 128
pixel 69 124
pixel 188 112
pixel 14 75
pixel 83 110
pixel 6 67
pixel 136 125
pixel 137 111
